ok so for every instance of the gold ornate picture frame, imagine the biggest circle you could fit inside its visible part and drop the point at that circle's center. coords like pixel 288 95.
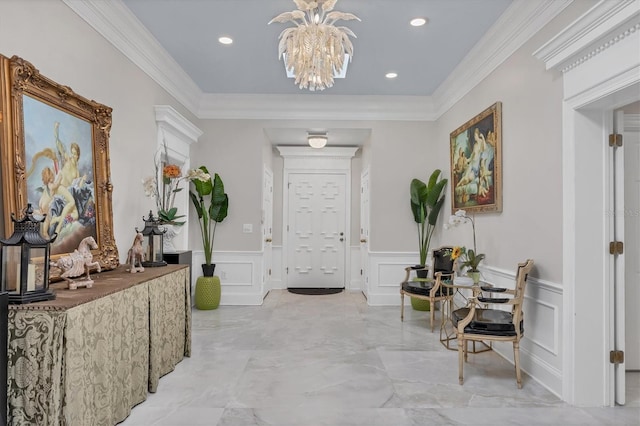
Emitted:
pixel 54 148
pixel 476 163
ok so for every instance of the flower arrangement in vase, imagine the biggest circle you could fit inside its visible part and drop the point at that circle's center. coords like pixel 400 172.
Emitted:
pixel 163 187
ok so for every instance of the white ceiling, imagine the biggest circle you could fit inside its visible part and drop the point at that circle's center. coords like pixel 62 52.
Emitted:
pixel 175 43
pixel 422 56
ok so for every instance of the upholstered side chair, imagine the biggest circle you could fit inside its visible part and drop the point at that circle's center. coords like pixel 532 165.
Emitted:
pixel 430 288
pixel 479 322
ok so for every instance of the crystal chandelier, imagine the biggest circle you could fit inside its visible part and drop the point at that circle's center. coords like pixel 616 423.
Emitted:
pixel 314 50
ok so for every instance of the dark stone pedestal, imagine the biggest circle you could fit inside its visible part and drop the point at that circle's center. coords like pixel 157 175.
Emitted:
pixel 182 257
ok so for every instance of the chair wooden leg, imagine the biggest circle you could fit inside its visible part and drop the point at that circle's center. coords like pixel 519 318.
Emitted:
pixel 432 313
pixel 466 350
pixel 516 358
pixel 461 355
pixel 401 306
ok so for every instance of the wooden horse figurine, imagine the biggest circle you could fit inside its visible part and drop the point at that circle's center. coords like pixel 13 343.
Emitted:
pixel 77 263
pixel 136 255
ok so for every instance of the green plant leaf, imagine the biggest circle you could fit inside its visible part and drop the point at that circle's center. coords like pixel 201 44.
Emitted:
pixel 435 191
pixel 435 212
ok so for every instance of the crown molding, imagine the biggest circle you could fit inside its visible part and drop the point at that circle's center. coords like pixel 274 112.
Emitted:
pixel 516 26
pixel 116 23
pixel 304 152
pixel 602 26
pixel 316 107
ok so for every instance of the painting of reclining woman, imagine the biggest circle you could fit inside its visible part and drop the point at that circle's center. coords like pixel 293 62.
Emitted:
pixel 60 181
pixel 475 163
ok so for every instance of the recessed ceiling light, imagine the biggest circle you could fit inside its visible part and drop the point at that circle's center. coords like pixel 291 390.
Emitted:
pixel 391 75
pixel 418 22
pixel 225 40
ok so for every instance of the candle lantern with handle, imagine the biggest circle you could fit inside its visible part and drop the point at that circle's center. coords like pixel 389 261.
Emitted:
pixel 24 261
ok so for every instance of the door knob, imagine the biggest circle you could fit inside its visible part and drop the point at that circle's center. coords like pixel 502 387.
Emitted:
pixel 267 240
pixel 341 234
pixel 341 239
pixel 363 240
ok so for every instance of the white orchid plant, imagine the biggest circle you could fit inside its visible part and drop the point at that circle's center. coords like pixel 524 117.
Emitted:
pixel 470 257
pixel 164 186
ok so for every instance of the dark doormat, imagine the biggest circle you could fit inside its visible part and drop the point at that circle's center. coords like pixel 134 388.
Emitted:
pixel 304 290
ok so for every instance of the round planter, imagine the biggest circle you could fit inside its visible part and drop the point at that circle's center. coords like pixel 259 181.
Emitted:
pixel 207 293
pixel 475 276
pixel 420 305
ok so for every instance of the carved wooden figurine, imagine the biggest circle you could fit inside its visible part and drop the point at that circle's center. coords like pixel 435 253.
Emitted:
pixel 77 263
pixel 136 254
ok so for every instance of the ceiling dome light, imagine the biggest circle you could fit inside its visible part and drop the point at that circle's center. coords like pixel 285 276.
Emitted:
pixel 418 22
pixel 225 40
pixel 317 140
pixel 391 75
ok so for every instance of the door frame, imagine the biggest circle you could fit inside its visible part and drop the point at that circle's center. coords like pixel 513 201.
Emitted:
pixel 267 246
pixel 335 160
pixel 365 218
pixel 597 56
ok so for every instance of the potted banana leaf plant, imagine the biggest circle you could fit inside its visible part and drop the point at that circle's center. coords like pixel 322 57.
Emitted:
pixel 426 202
pixel 211 204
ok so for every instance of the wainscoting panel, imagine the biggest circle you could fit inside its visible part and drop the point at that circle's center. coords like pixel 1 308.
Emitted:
pixel 540 349
pixel 240 276
pixel 386 272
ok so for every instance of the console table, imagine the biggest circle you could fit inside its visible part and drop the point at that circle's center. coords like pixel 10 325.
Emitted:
pixel 90 355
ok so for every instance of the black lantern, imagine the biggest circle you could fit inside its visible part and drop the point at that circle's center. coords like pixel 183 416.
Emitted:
pixel 24 261
pixel 153 242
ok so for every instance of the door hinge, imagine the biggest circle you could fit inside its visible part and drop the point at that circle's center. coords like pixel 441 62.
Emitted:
pixel 360 271
pixel 616 357
pixel 0 116
pixel 287 268
pixel 615 139
pixel 616 247
pixel 269 271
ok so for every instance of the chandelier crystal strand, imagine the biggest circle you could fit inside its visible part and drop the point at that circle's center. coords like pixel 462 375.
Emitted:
pixel 315 49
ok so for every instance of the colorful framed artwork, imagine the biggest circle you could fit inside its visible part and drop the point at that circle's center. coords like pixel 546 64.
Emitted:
pixel 476 163
pixel 54 146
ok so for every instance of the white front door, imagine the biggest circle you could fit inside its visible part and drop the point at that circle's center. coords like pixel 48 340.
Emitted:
pixel 632 248
pixel 316 230
pixel 267 230
pixel 364 231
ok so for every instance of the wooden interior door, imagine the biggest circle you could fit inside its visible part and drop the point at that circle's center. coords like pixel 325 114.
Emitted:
pixel 316 230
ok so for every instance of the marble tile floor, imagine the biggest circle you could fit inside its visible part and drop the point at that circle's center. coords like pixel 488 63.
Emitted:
pixel 334 361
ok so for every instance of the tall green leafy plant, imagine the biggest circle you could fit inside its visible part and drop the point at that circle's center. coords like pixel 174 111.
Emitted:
pixel 212 205
pixel 426 203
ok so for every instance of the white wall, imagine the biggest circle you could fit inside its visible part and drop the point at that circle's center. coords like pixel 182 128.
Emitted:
pixel 66 49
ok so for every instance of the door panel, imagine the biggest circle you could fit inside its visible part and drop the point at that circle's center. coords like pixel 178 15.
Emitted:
pixel 267 230
pixel 316 248
pixel 364 231
pixel 632 249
